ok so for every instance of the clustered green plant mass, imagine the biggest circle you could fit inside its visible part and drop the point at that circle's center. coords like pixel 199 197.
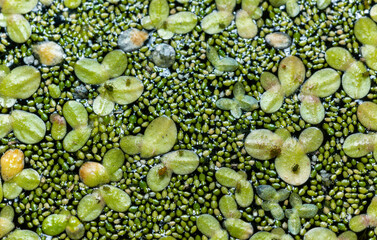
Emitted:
pixel 184 119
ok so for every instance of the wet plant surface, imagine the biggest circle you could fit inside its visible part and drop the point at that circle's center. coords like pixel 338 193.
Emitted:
pixel 181 119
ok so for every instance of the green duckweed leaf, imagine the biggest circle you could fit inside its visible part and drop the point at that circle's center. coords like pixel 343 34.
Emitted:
pixel 244 193
pixel 212 55
pixel 367 115
pixel 181 23
pixel 320 233
pixel 272 100
pixel 266 192
pixel 115 198
pixel 90 71
pixel 72 4
pixel 165 34
pixel 228 207
pixel 75 114
pixel 21 82
pixel 263 144
pixel 18 28
pixel 115 63
pixel 372 208
pixel 7 102
pixel 292 165
pixel 102 105
pixel 322 83
pixel 236 111
pixel 54 91
pixel 7 212
pixel 339 58
pixel 269 80
pixel 359 223
pixel 262 236
pixel 181 162
pixel 220 235
pixel 282 195
pixel 90 207
pixel 75 229
pixel 158 12
pixel 22 235
pixel 76 139
pixel 216 21
pixel 295 200
pixel 4 70
pixel 225 5
pixel 5 226
pixel 311 109
pixel 307 210
pixel 250 6
pixel 347 236
pixel 293 9
pixel 113 160
pixel 238 228
pixel 291 74
pixel 322 4
pixel 277 212
pixel 238 91
pixel 159 137
pixel 227 65
pixel 366 31
pixel 369 52
pixel 208 225
pixel 283 133
pixel 18 6
pixel 93 174
pixel 226 104
pixel 59 126
pixel 355 81
pixel 54 224
pixel 5 125
pixel 158 178
pixel 247 103
pixel 131 144
pixel 246 26
pixel 227 177
pixel 294 224
pixel 311 139
pixel 116 176
pixel 146 23
pixel 11 190
pixel 123 90
pixel 278 3
pixel 28 127
pixel 28 179
pixel 358 145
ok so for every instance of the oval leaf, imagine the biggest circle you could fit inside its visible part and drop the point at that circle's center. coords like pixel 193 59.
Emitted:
pixel 115 63
pixel 228 177
pixel 244 193
pixel 28 127
pixel 339 58
pixel 311 109
pixel 113 160
pixel 182 22
pixel 123 90
pixel 28 179
pixel 181 162
pixel 322 83
pixel 115 198
pixel 263 144
pixel 158 178
pixel 366 31
pixel 75 114
pixel 76 139
pixel 158 12
pixel 367 115
pixel 54 224
pixel 238 228
pixel 291 74
pixel 216 22
pixel 228 207
pixel 358 145
pixel 93 174
pixel 311 139
pixel 246 26
pixel 208 225
pixel 90 71
pixel 355 81
pixel 18 28
pixel 18 6
pixel 90 207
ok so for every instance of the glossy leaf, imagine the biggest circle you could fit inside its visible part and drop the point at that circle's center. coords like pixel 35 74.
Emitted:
pixel 272 100
pixel 115 198
pixel 28 179
pixel 59 126
pixel 311 109
pixel 181 22
pixel 322 83
pixel 22 235
pixel 90 71
pixel 11 190
pixel 76 139
pixel 123 90
pixel 5 226
pixel 372 208
pixel 75 114
pixel 359 223
pixel 225 5
pixel 227 177
pixel 115 63
pixel 366 31
pixel 158 178
pixel 311 139
pixel 320 233
pixel 7 212
pixel 355 81
pixel 90 207
pixel 28 127
pixel 293 9
pixel 181 162
pixel 263 144
pixel 18 6
pixel 339 58
pixel 369 52
pixel 12 163
pixel 358 145
pixel 246 27
pixel 367 115
pixel 75 229
pixel 93 174
pixel 216 21
pixel 291 74
pixel 322 4
pixel 113 160
pixel 54 224
pixel 18 28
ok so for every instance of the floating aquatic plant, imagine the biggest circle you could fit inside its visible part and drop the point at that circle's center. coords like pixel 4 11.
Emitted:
pixel 275 234
pixel 291 163
pixel 217 21
pixel 321 84
pixel 366 32
pixel 91 206
pixel 291 75
pixel 168 25
pixel 210 226
pixel 292 7
pixel 240 102
pixel 132 39
pixel 19 234
pixel 18 28
pixel 77 117
pixel 298 211
pixel 55 224
pixel 49 53
pixel 226 64
pixel 159 138
pixel 119 89
pixel 6 221
pixel 244 193
pixel 367 115
pixel 27 127
pixel 59 126
pixel 359 144
pixel 20 83
pixel 279 40
pixel 355 80
pixel 163 55
pixel 181 162
pixel 322 4
pixel 324 233
pixel 271 199
pixel 15 177
pixel 360 222
pixel 94 174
